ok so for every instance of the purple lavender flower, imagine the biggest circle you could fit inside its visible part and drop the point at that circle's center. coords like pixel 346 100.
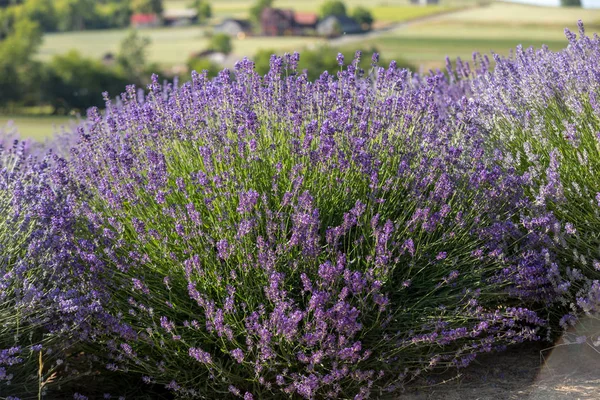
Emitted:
pixel 223 249
pixel 247 201
pixel 238 355
pixel 200 355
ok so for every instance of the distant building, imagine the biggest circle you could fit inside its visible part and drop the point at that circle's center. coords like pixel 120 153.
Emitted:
pixel 304 21
pixel 336 25
pixel 234 27
pixel 425 2
pixel 144 21
pixel 279 22
pixel 181 17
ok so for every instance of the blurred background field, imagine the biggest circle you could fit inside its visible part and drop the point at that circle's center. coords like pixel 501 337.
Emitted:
pixel 418 36
pixel 495 27
pixel 224 8
pixel 168 46
pixel 36 127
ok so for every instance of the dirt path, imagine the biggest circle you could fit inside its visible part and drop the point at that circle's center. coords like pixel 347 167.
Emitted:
pixel 532 371
pixel 518 374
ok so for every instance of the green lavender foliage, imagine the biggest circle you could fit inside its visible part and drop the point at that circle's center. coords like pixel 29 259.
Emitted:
pixel 546 115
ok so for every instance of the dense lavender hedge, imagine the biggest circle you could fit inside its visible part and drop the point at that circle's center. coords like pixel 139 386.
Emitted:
pixel 542 108
pixel 268 236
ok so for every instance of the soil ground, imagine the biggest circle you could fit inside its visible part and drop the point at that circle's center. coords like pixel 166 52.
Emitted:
pixel 537 371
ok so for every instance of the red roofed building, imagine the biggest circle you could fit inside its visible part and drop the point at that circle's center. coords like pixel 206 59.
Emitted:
pixel 306 19
pixel 278 22
pixel 144 21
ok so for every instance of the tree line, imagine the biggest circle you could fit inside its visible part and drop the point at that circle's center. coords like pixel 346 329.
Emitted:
pixel 69 81
pixel 73 15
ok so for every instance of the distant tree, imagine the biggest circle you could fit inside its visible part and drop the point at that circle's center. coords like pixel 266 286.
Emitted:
pixel 21 39
pixel 7 3
pixel 333 7
pixel 131 58
pixel 257 9
pixel 68 15
pixel 147 6
pixel 43 12
pixel 112 14
pixel 570 3
pixel 8 16
pixel 363 16
pixel 221 42
pixel 203 9
pixel 72 15
pixel 76 82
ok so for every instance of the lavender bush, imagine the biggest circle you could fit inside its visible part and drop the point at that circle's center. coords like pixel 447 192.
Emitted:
pixel 542 108
pixel 27 288
pixel 49 300
pixel 272 237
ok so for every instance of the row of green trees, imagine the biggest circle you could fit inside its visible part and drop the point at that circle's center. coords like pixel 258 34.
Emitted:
pixel 69 81
pixel 70 15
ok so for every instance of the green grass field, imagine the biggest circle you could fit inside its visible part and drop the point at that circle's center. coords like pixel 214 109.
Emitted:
pixel 33 126
pixel 495 28
pixel 492 28
pixel 523 15
pixel 431 52
pixel 387 13
pixel 169 46
pixel 172 46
